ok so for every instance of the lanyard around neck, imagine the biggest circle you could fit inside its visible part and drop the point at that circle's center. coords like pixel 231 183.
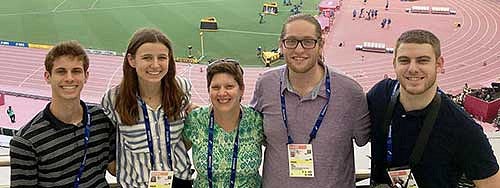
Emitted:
pixel 150 137
pixel 423 136
pixel 321 115
pixel 388 121
pixel 210 151
pixel 86 137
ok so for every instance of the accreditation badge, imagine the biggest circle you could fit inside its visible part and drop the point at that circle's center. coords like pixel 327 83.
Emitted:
pixel 161 179
pixel 300 160
pixel 402 178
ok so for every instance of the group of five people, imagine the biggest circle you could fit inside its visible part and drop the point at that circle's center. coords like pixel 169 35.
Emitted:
pixel 305 114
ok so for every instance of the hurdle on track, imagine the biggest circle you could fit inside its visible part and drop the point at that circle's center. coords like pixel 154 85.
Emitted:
pixel 374 47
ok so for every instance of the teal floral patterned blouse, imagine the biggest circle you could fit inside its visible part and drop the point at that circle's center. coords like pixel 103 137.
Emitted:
pixel 249 153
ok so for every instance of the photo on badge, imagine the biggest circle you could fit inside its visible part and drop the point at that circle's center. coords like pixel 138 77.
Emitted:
pixel 402 178
pixel 160 179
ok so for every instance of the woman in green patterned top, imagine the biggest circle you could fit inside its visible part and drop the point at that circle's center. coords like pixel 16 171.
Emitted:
pixel 225 134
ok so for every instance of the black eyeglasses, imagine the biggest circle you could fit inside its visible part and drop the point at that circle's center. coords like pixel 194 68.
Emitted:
pixel 305 43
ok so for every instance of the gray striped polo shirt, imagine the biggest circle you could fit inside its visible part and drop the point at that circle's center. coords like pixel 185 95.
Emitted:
pixel 47 152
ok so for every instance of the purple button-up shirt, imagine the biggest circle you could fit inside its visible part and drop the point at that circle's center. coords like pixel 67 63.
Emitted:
pixel 347 118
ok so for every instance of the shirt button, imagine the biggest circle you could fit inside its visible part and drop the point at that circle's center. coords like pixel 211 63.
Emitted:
pixel 403 115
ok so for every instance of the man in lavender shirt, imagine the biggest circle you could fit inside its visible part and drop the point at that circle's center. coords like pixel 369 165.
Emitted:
pixel 294 98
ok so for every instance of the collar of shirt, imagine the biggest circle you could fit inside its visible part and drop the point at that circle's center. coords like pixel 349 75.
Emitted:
pixel 416 113
pixel 242 110
pixel 58 124
pixel 319 90
pixel 156 110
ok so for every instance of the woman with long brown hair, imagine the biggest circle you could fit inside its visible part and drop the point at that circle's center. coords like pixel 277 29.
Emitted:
pixel 148 108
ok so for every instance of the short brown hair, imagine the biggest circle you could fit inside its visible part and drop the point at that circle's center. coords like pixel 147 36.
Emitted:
pixel 226 65
pixel 419 36
pixel 305 17
pixel 71 49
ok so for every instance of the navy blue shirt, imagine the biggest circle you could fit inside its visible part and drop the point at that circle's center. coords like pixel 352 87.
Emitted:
pixel 457 144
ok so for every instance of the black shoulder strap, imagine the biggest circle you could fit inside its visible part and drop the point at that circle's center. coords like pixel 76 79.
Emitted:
pixel 423 136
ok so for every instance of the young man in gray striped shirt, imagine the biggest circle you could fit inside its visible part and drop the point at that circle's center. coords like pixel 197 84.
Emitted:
pixel 69 143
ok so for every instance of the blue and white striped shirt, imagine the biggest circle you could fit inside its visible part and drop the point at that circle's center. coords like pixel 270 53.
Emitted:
pixel 133 159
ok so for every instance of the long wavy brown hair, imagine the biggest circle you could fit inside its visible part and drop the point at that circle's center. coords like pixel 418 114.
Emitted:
pixel 173 98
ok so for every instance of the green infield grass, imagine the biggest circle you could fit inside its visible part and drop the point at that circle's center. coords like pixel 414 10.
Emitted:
pixel 108 24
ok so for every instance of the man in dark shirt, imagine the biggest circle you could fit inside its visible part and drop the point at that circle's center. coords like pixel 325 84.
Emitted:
pixel 69 143
pixel 400 109
pixel 11 114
